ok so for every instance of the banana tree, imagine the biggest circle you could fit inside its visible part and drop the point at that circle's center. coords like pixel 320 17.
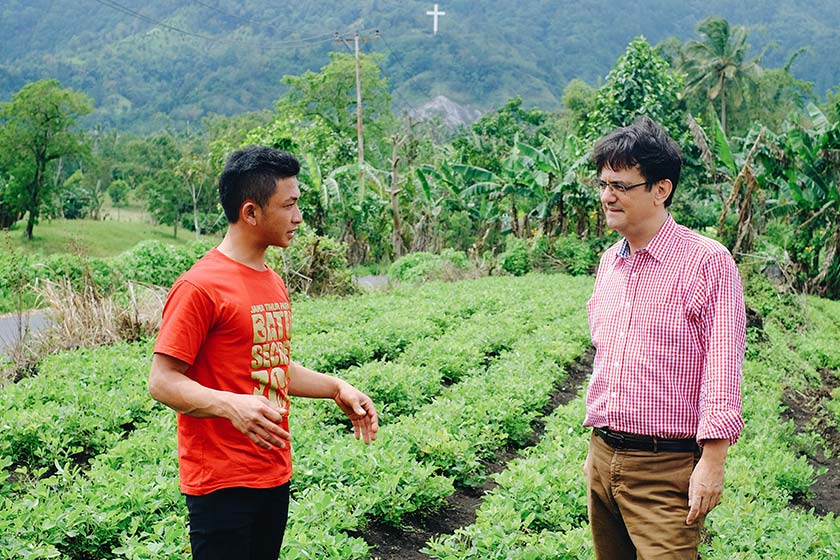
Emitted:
pixel 739 170
pixel 359 206
pixel 812 182
pixel 444 190
pixel 516 184
pixel 559 185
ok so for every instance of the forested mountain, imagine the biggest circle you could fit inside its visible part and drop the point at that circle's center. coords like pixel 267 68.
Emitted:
pixel 159 63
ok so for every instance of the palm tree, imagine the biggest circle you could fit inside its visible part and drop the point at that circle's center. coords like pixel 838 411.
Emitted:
pixel 717 65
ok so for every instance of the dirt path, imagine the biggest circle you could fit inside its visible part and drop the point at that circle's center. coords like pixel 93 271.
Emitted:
pixel 404 542
pixel 809 415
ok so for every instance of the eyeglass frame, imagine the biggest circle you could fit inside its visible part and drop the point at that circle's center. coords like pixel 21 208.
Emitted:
pixel 622 189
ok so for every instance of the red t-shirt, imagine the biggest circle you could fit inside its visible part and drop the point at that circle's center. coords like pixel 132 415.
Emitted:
pixel 232 324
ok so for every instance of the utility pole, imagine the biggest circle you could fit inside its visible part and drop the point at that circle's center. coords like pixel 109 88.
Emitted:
pixel 396 237
pixel 359 132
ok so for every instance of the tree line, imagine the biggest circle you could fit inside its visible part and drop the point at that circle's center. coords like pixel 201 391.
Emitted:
pixel 171 63
pixel 762 160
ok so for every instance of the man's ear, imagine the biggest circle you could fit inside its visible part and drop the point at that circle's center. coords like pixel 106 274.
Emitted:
pixel 248 212
pixel 663 190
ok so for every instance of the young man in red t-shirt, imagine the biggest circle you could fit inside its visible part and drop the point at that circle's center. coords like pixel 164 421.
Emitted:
pixel 222 361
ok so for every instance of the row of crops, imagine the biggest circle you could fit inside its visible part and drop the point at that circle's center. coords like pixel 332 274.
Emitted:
pixel 458 372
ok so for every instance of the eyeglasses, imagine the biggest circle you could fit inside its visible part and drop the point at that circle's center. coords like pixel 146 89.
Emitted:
pixel 618 187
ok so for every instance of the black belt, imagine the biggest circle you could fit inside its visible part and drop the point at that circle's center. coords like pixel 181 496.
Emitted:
pixel 623 440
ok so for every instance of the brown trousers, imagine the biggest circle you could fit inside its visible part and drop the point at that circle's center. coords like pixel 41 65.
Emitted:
pixel 638 502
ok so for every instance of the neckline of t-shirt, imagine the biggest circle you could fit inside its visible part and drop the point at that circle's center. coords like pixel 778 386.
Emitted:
pixel 216 251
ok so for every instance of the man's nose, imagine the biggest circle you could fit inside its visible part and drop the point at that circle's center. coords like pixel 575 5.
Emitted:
pixel 607 195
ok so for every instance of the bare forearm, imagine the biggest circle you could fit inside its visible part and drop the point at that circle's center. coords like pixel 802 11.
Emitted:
pixel 170 386
pixel 190 398
pixel 714 451
pixel 305 382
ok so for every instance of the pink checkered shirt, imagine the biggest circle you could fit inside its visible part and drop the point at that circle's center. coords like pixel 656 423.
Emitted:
pixel 668 325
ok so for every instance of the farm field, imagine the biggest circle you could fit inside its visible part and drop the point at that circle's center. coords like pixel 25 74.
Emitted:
pixel 462 374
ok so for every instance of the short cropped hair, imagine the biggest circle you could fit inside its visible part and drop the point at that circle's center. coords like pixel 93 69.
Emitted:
pixel 251 174
pixel 643 143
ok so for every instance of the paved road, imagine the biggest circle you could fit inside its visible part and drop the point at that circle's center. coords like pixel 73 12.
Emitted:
pixel 378 281
pixel 12 325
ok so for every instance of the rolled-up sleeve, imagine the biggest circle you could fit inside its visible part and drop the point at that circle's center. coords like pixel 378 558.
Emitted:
pixel 724 324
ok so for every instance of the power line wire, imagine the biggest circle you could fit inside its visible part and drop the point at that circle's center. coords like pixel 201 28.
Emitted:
pixel 265 46
pixel 249 20
pixel 404 101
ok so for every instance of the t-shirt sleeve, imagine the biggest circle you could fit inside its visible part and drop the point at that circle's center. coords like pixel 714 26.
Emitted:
pixel 188 315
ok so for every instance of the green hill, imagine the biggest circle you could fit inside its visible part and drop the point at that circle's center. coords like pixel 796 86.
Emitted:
pixel 155 64
pixel 92 238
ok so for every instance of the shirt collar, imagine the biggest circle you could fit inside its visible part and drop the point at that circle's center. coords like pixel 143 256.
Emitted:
pixel 658 247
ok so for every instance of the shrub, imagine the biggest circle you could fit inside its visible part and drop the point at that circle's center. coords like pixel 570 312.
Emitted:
pixel 79 271
pixel 158 263
pixel 516 259
pixel 575 255
pixel 425 267
pixel 567 253
pixel 16 276
pixel 768 302
pixel 313 264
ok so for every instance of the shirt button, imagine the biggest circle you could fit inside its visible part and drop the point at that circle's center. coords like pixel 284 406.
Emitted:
pixel 614 395
pixel 621 334
pixel 615 364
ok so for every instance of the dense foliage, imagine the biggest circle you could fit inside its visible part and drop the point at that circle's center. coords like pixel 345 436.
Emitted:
pixel 165 64
pixel 761 166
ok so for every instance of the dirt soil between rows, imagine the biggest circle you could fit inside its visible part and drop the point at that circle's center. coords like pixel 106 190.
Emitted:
pixel 404 542
pixel 808 415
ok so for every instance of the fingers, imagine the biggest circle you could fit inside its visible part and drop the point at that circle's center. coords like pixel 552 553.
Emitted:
pixel 272 411
pixel 267 434
pixel 259 419
pixel 701 505
pixel 365 426
pixel 361 411
pixel 693 511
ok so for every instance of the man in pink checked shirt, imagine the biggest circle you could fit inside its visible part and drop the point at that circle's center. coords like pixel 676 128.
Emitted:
pixel 667 320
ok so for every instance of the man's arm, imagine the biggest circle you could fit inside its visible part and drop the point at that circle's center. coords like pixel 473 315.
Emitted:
pixel 305 382
pixel 706 484
pixel 720 400
pixel 253 415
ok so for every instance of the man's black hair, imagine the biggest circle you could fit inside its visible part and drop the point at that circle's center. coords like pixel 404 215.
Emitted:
pixel 643 143
pixel 251 174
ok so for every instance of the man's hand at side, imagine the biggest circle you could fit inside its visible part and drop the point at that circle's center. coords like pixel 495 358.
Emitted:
pixel 706 484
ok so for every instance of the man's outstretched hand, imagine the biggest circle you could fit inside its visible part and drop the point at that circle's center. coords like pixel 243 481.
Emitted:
pixel 360 409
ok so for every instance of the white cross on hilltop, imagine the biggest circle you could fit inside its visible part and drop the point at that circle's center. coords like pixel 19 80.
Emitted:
pixel 435 13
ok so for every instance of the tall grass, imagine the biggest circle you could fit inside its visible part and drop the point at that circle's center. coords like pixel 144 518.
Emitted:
pixel 82 318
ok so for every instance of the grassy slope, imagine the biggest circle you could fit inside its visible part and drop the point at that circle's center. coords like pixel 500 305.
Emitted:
pixel 90 237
